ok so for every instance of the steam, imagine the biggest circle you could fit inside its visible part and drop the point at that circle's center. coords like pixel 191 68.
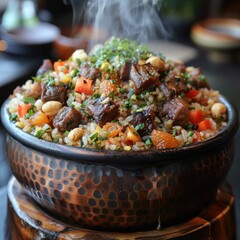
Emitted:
pixel 133 19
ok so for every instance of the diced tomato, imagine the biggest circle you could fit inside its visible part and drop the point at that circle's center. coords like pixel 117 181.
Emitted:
pixel 192 93
pixel 204 125
pixel 84 85
pixel 195 116
pixel 23 109
pixel 61 66
pixel 198 137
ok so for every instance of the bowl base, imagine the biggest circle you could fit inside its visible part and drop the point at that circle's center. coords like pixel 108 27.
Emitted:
pixel 27 221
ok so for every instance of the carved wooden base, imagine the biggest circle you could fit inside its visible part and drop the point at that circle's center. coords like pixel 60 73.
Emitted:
pixel 27 222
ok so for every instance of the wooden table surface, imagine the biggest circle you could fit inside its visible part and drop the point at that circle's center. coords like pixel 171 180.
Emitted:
pixel 26 222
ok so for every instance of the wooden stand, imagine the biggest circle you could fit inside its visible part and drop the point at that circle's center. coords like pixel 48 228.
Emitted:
pixel 27 222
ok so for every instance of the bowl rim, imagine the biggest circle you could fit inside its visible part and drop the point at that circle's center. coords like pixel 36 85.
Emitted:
pixel 128 158
pixel 202 27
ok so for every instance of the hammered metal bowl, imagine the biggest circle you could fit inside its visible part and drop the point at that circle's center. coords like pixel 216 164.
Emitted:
pixel 112 190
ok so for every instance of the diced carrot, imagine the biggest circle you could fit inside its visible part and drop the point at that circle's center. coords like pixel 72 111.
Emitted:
pixel 204 125
pixel 163 140
pixel 84 85
pixel 39 119
pixel 61 66
pixel 195 116
pixel 23 109
pixel 131 136
pixel 113 128
pixel 192 93
pixel 198 137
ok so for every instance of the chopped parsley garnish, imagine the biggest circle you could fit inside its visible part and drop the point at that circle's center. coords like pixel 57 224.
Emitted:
pixel 75 72
pixel 94 136
pixel 39 133
pixel 148 142
pixel 119 51
pixel 30 113
pixel 13 117
pixel 29 100
pixel 37 79
pixel 139 126
pixel 174 133
pixel 122 90
pixel 111 95
pixel 127 105
pixel 190 133
pixel 50 81
pixel 201 77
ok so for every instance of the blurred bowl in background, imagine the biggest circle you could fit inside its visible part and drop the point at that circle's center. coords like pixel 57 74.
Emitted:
pixel 220 37
pixel 83 38
pixel 36 40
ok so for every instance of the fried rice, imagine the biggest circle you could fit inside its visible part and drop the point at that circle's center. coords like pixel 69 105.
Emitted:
pixel 121 96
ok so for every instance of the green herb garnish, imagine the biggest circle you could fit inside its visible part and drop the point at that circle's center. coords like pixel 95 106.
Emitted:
pixel 39 133
pixel 148 142
pixel 139 126
pixel 13 117
pixel 29 100
pixel 30 113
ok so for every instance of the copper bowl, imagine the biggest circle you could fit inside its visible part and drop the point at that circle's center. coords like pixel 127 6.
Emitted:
pixel 113 190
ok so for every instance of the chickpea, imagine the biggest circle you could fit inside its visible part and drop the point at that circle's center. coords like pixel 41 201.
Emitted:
pixel 156 62
pixel 51 108
pixel 80 54
pixel 218 109
pixel 141 62
pixel 75 134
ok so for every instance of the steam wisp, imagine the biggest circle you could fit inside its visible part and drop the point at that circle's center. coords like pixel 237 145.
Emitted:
pixel 133 19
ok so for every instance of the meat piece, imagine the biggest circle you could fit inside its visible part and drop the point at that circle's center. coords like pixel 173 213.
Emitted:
pixel 177 110
pixel 103 110
pixel 45 67
pixel 175 65
pixel 145 121
pixel 144 77
pixel 35 91
pixel 67 118
pixel 173 84
pixel 124 71
pixel 89 72
pixel 197 79
pixel 53 93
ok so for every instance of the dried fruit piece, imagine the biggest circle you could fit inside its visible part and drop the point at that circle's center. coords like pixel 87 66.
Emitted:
pixel 162 140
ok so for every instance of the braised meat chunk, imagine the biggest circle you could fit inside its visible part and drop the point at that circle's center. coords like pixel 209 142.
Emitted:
pixel 103 110
pixel 67 118
pixel 89 72
pixel 173 84
pixel 35 91
pixel 45 67
pixel 144 77
pixel 144 121
pixel 53 93
pixel 196 78
pixel 176 65
pixel 124 71
pixel 177 110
